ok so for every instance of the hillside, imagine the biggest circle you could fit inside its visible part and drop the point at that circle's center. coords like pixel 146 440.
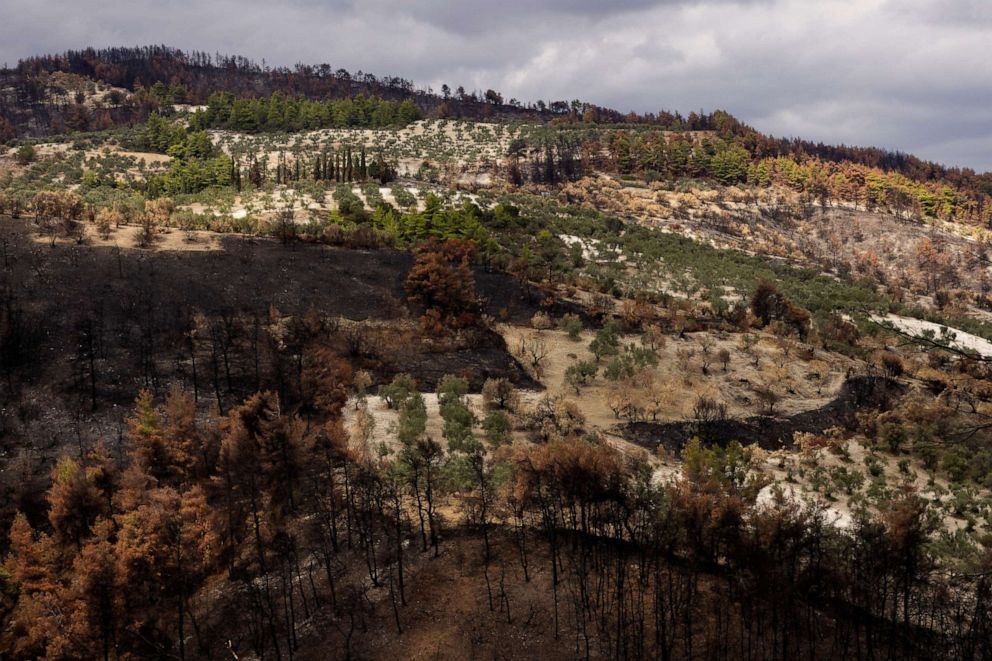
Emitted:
pixel 310 364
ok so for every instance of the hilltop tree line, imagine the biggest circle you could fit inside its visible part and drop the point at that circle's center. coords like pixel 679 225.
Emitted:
pixel 731 130
pixel 199 74
pixel 734 159
pixel 202 74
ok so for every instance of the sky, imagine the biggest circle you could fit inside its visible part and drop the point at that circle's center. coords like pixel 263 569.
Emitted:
pixel 908 75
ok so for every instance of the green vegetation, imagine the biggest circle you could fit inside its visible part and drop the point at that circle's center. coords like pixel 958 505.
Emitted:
pixel 580 374
pixel 683 156
pixel 196 164
pixel 607 341
pixel 25 154
pixel 190 175
pixel 670 257
pixel 436 221
pixel 404 198
pixel 284 113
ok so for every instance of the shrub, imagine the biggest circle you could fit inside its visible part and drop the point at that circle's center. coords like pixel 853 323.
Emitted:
pixel 451 388
pixel 499 394
pixel 724 357
pixel 708 410
pixel 846 480
pixel 25 154
pixel 621 367
pixel 541 321
pixel 957 463
pixel 653 337
pixel 556 418
pixel 890 362
pixel 497 427
pixel 404 198
pixel 728 468
pixel 396 393
pixel 769 304
pixel 413 418
pixel 579 374
pixel 895 437
pixel 874 465
pixel 767 400
pixel 571 324
pixel 836 331
pixel 642 356
pixel 606 342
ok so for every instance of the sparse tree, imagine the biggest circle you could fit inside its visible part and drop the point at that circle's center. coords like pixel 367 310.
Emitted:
pixel 723 355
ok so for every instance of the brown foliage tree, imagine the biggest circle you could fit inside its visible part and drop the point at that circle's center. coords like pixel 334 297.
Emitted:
pixel 74 503
pixel 441 280
pixel 768 303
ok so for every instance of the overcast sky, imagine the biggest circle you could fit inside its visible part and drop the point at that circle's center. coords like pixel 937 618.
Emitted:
pixel 912 75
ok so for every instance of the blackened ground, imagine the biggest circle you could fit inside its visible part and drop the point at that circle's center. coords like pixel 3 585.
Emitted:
pixel 508 299
pixel 857 394
pixel 141 302
pixel 83 329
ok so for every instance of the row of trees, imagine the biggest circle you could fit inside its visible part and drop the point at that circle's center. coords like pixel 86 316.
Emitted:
pixel 198 164
pixel 281 113
pixel 553 159
pixel 192 77
pixel 344 166
pixel 680 156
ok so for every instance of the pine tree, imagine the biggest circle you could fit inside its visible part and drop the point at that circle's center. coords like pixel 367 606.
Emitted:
pixel 150 450
pixel 74 504
pixel 94 593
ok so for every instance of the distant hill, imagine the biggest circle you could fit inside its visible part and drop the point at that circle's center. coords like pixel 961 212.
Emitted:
pixel 153 78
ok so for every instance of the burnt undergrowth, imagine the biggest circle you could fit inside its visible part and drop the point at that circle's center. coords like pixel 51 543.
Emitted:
pixel 857 394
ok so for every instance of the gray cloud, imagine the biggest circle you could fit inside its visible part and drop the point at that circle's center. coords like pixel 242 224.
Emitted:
pixel 901 74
